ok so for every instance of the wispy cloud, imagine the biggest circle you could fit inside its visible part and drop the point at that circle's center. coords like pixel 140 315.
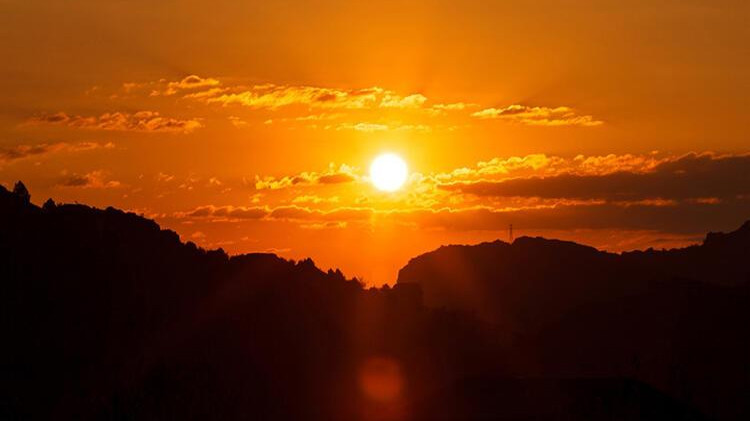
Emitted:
pixel 349 107
pixel 98 179
pixel 380 127
pixel 687 177
pixel 272 96
pixel 164 87
pixel 341 214
pixel 538 116
pixel 237 122
pixel 314 199
pixel 188 83
pixel 542 165
pixel 225 212
pixel 141 121
pixel 586 192
pixel 282 213
pixel 334 175
pixel 667 215
pixel 391 100
pixel 455 106
pixel 20 152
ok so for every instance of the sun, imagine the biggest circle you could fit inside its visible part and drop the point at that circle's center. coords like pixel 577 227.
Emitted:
pixel 388 172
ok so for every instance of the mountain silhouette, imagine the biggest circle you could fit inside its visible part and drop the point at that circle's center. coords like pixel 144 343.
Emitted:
pixel 672 318
pixel 104 315
pixel 494 278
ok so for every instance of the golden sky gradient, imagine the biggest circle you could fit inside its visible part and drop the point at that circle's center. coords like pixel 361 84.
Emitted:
pixel 251 125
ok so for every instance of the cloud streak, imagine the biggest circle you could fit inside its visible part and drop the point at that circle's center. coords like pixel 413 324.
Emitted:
pixel 334 175
pixel 225 212
pixel 690 176
pixel 351 108
pixel 98 179
pixel 271 96
pixel 20 152
pixel 538 116
pixel 683 193
pixel 141 121
pixel 684 218
pixel 188 83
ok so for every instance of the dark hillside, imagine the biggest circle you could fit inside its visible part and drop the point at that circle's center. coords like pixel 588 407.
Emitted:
pixel 106 316
pixel 674 319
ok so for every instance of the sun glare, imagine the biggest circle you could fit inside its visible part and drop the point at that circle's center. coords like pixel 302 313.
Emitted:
pixel 388 172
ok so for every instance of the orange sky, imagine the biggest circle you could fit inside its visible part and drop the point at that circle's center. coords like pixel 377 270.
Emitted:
pixel 251 126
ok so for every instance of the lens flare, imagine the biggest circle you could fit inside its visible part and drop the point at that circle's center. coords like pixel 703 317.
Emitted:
pixel 380 379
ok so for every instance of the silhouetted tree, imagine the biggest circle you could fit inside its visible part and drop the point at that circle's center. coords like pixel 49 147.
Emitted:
pixel 49 205
pixel 20 190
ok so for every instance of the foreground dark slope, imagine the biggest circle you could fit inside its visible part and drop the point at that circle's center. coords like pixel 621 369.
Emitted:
pixel 106 316
pixel 676 319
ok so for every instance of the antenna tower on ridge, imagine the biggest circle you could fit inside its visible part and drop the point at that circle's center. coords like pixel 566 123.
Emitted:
pixel 510 233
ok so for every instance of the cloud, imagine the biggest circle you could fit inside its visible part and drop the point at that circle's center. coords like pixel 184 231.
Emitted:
pixel 274 96
pixel 416 112
pixel 541 165
pixel 688 177
pixel 164 178
pixel 141 121
pixel 336 178
pixel 324 225
pixel 334 175
pixel 20 152
pixel 237 122
pixel 163 87
pixel 93 180
pixel 538 116
pixel 310 118
pixel 680 218
pixel 540 180
pixel 225 212
pixel 677 194
pixel 271 96
pixel 391 100
pixel 684 218
pixel 362 127
pixel 282 213
pixel 315 199
pixel 191 82
pixel 25 151
pixel 455 106
pixel 342 214
pixel 379 127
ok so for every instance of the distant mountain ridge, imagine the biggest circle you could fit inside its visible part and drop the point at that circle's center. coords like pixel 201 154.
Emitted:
pixel 673 318
pixel 722 259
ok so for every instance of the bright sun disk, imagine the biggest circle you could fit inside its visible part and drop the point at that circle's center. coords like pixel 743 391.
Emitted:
pixel 388 172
